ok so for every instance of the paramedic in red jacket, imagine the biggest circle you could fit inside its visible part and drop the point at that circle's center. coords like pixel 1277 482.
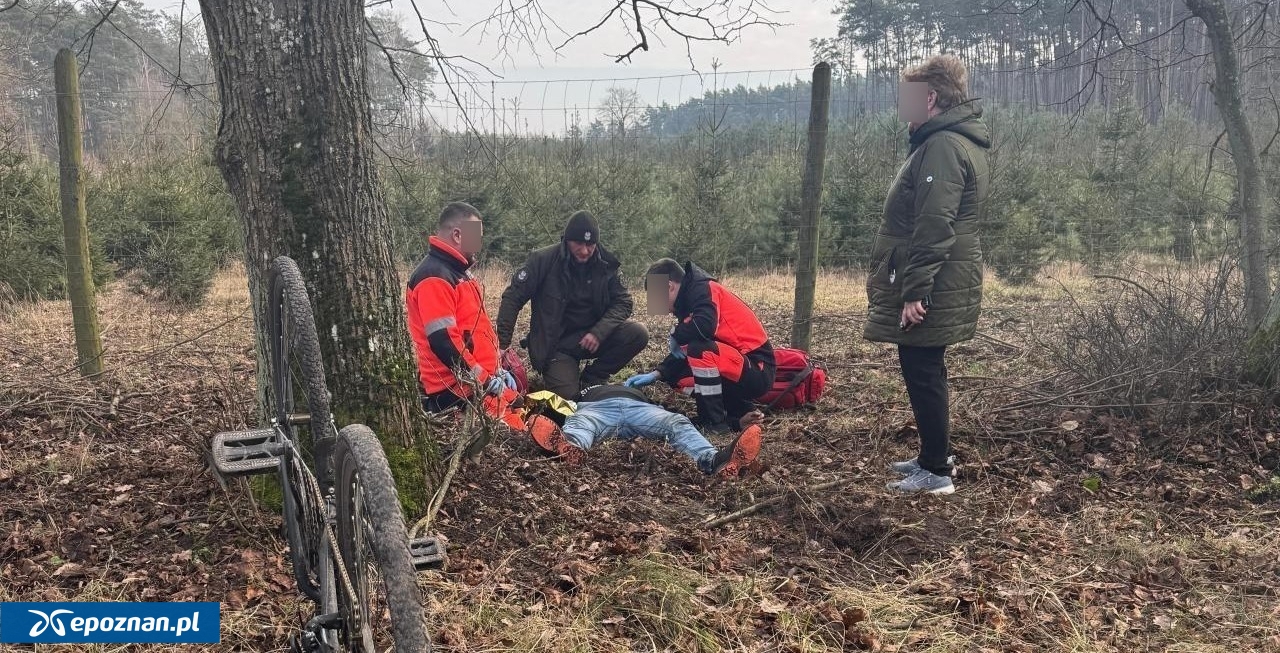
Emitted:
pixel 719 341
pixel 452 335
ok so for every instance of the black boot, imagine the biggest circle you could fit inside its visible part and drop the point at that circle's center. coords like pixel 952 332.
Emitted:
pixel 711 414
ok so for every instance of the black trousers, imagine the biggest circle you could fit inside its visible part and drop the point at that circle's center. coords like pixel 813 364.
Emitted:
pixel 440 401
pixel 723 412
pixel 563 375
pixel 925 373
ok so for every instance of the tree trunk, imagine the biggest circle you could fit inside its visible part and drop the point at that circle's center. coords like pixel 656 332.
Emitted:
pixel 1227 96
pixel 295 148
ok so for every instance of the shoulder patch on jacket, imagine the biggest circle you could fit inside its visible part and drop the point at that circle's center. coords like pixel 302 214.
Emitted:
pixel 522 274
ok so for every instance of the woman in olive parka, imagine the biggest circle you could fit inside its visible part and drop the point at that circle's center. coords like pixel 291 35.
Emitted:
pixel 924 288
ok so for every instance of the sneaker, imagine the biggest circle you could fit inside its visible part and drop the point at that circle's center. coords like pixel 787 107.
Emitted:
pixel 546 434
pixel 922 481
pixel 909 467
pixel 740 453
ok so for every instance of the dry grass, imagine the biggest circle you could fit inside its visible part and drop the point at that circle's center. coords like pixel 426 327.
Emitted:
pixel 1080 540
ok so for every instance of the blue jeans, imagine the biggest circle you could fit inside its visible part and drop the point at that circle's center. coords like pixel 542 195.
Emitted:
pixel 628 419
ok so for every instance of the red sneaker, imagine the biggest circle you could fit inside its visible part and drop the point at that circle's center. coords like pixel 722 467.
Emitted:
pixel 548 435
pixel 740 453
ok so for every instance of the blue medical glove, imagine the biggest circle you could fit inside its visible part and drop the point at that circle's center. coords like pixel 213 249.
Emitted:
pixel 507 378
pixel 641 380
pixel 495 385
pixel 674 347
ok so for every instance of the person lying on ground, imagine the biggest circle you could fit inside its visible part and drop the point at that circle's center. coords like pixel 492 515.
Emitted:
pixel 604 412
pixel 717 340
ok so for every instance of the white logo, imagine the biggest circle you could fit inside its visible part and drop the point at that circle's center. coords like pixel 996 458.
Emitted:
pixel 929 178
pixel 522 275
pixel 49 620
pixel 586 237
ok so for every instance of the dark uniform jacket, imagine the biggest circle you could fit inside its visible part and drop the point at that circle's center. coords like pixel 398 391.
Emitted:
pixel 547 279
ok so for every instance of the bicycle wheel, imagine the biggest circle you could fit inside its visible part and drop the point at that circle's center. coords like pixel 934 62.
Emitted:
pixel 383 611
pixel 298 403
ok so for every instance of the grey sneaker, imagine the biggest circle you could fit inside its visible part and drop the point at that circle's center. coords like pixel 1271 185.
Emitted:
pixel 922 481
pixel 909 467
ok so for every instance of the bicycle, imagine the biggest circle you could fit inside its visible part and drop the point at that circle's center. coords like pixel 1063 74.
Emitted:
pixel 348 544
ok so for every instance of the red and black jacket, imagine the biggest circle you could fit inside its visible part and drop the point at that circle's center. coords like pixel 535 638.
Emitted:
pixel 448 323
pixel 706 310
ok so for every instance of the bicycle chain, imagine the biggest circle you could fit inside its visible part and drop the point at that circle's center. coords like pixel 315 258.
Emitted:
pixel 314 486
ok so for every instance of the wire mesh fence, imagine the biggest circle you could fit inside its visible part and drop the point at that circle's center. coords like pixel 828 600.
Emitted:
pixel 697 166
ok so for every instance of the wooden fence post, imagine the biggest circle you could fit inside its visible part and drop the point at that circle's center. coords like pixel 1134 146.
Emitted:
pixel 80 290
pixel 811 207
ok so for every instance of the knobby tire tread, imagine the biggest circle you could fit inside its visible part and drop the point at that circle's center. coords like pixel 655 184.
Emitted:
pixel 358 450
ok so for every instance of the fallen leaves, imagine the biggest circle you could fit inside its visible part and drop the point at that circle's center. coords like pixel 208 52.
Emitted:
pixel 70 570
pixel 772 606
pixel 539 544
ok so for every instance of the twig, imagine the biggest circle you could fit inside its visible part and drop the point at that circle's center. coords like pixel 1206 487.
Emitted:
pixel 478 427
pixel 849 366
pixel 755 507
pixel 437 500
pixel 1131 282
pixel 997 341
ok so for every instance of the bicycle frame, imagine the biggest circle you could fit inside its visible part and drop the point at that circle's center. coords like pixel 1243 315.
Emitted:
pixel 322 631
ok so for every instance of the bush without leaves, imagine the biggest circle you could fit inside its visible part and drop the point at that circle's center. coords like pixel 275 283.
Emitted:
pixel 1164 345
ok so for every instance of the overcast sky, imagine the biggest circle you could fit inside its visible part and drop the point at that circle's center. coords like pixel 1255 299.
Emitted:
pixel 544 106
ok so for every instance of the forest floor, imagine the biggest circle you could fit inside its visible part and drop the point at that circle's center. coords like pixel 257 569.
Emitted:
pixel 1071 529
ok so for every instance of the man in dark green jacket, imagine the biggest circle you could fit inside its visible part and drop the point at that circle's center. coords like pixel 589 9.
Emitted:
pixel 924 288
pixel 580 311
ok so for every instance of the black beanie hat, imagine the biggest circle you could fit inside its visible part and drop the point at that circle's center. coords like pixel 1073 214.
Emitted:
pixel 582 228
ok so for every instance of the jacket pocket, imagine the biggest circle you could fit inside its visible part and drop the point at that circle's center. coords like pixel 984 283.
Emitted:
pixel 886 270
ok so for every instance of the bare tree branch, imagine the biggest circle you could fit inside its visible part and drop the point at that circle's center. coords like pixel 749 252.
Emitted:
pixel 86 48
pixel 516 22
pixel 593 28
pixel 176 80
pixel 1275 106
pixel 644 41
pixel 391 60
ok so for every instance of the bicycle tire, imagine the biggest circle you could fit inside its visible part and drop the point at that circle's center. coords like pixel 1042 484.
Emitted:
pixel 297 368
pixel 372 538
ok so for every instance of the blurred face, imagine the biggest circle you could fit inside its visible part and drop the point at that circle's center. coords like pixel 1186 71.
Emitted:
pixel 916 103
pixel 582 252
pixel 466 236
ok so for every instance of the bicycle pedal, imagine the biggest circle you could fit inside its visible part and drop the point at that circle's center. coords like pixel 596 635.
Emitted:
pixel 242 453
pixel 428 553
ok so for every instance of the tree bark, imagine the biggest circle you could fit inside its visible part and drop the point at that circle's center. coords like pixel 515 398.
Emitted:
pixel 295 146
pixel 1227 96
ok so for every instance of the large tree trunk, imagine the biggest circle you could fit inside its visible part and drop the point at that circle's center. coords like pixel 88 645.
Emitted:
pixel 1228 98
pixel 295 147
